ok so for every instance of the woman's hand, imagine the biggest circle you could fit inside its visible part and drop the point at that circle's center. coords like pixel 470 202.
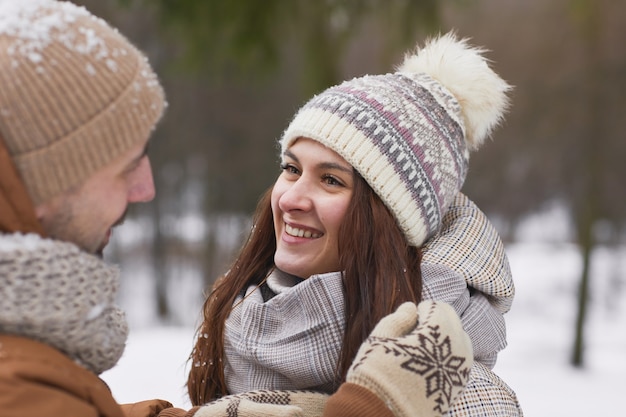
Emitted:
pixel 417 360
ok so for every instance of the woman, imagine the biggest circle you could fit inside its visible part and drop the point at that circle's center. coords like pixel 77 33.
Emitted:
pixel 369 169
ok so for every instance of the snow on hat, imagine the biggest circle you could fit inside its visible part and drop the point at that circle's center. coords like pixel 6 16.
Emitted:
pixel 74 94
pixel 408 134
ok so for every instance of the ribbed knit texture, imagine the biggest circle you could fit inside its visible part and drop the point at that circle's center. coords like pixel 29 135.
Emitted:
pixel 74 93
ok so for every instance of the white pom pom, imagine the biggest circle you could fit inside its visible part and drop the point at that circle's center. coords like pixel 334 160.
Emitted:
pixel 464 71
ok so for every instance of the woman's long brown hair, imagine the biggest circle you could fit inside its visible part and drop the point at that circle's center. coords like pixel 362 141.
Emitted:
pixel 380 271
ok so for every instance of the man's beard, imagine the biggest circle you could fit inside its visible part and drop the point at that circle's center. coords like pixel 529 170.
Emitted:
pixel 100 251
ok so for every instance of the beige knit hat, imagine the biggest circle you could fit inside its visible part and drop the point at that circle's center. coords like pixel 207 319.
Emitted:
pixel 409 133
pixel 74 94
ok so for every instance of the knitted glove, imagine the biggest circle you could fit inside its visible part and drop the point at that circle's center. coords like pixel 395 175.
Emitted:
pixel 266 404
pixel 416 360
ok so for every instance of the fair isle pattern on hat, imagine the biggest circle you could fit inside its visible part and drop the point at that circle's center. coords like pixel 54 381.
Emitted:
pixel 407 133
pixel 74 94
pixel 386 140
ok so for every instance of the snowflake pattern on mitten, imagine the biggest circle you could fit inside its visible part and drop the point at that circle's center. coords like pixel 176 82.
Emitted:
pixel 439 366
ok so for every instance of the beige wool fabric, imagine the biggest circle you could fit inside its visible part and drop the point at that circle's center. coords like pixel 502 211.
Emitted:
pixel 428 361
pixel 54 293
pixel 265 403
pixel 74 94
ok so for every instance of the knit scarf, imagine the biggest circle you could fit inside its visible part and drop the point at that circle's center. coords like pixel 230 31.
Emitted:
pixel 292 341
pixel 55 293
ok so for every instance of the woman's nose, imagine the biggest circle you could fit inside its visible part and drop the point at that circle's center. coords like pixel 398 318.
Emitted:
pixel 297 197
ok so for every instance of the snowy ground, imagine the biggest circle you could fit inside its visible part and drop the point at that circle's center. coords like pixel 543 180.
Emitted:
pixel 541 329
pixel 535 364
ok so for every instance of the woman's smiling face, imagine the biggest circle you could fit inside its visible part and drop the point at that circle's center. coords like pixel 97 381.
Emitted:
pixel 309 201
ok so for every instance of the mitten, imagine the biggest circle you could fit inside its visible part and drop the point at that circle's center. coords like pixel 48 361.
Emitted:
pixel 416 360
pixel 266 404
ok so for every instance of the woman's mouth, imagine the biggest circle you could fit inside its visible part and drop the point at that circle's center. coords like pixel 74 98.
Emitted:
pixel 296 232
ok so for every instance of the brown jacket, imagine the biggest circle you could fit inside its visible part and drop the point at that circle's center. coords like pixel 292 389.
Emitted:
pixel 16 209
pixel 37 380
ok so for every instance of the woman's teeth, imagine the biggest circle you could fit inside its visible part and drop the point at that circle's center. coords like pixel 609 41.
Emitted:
pixel 294 231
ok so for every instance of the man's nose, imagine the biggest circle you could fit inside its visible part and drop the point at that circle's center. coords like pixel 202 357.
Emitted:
pixel 141 183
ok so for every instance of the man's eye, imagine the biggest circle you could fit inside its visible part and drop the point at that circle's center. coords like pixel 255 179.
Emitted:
pixel 133 167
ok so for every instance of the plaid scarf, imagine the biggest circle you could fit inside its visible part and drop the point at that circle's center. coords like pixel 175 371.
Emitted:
pixel 465 265
pixel 292 341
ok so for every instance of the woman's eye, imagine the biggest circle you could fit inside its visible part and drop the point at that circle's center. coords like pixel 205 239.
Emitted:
pixel 288 168
pixel 330 180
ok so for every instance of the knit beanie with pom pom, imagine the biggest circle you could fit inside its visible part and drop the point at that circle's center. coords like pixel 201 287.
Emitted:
pixel 409 133
pixel 74 94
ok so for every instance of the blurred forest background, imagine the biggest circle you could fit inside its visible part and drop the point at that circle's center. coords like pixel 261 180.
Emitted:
pixel 235 72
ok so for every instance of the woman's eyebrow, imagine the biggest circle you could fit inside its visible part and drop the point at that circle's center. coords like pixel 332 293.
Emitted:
pixel 334 165
pixel 323 165
pixel 291 155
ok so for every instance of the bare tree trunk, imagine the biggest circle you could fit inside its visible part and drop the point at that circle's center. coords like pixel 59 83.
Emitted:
pixel 588 212
pixel 586 243
pixel 159 260
pixel 163 312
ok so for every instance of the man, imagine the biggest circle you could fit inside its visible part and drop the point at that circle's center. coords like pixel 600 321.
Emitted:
pixel 78 103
